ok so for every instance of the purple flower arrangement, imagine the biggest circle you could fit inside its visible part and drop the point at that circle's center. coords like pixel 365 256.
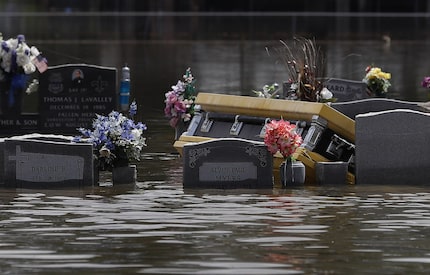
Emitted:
pixel 426 82
pixel 116 138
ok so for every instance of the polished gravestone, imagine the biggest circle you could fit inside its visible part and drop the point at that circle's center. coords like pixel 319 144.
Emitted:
pixel 352 108
pixel 70 95
pixel 227 163
pixel 2 141
pixel 331 172
pixel 392 147
pixel 47 162
pixel 346 90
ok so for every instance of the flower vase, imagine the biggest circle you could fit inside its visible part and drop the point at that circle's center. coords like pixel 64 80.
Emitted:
pixel 292 173
pixel 124 174
pixel 180 128
pixel 377 90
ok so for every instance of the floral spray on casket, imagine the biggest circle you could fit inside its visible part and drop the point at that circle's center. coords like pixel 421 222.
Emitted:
pixel 117 139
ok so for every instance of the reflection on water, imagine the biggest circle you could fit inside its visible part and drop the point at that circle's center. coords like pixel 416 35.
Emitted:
pixel 159 228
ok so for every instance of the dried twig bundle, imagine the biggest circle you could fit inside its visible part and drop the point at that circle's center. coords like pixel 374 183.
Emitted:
pixel 305 66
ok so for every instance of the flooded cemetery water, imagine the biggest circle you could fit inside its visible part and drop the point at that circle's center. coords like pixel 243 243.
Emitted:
pixel 157 227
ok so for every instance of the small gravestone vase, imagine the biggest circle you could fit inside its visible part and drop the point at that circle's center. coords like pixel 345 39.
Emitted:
pixel 292 173
pixel 124 174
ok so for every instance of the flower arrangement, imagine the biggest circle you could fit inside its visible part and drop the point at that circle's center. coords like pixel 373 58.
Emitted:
pixel 180 100
pixel 17 60
pixel 281 136
pixel 269 91
pixel 304 64
pixel 117 139
pixel 426 82
pixel 377 81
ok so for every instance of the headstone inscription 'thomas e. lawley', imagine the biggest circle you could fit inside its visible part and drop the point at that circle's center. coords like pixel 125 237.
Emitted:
pixel 71 95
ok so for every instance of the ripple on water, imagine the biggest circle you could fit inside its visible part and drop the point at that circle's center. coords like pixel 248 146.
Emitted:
pixel 225 267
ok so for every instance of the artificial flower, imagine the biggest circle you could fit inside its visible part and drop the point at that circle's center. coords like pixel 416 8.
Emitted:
pixel 180 100
pixel 325 94
pixel 17 61
pixel 377 81
pixel 269 91
pixel 426 82
pixel 281 137
pixel 116 138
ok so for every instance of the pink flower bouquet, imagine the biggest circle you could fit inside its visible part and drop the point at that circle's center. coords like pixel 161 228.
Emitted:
pixel 281 136
pixel 180 100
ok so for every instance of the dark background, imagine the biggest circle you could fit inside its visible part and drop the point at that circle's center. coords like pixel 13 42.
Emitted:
pixel 221 19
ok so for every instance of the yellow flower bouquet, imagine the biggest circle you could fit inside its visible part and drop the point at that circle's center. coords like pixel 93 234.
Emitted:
pixel 377 81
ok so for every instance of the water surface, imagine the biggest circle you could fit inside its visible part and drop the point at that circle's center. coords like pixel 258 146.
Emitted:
pixel 157 227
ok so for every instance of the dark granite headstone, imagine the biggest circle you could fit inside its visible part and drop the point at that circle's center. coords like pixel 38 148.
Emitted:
pixel 227 163
pixel 346 90
pixel 332 173
pixel 41 163
pixel 392 147
pixel 71 95
pixel 353 108
pixel 18 124
pixel 2 141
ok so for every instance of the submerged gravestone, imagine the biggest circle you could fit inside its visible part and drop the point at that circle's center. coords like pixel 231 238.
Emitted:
pixel 346 90
pixel 227 163
pixel 45 163
pixel 2 141
pixel 353 108
pixel 71 95
pixel 331 172
pixel 392 147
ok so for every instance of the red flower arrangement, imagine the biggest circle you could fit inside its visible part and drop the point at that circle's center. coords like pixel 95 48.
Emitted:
pixel 281 136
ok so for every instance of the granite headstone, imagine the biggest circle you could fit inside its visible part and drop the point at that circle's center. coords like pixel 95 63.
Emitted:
pixel 227 163
pixel 331 172
pixel 2 141
pixel 71 95
pixel 42 163
pixel 353 108
pixel 346 90
pixel 392 147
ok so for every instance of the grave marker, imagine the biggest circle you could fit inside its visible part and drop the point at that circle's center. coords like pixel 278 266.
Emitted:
pixel 227 163
pixel 71 95
pixel 346 90
pixel 362 106
pixel 44 163
pixel 392 147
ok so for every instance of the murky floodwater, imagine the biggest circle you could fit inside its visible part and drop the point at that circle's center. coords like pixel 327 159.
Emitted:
pixel 156 227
